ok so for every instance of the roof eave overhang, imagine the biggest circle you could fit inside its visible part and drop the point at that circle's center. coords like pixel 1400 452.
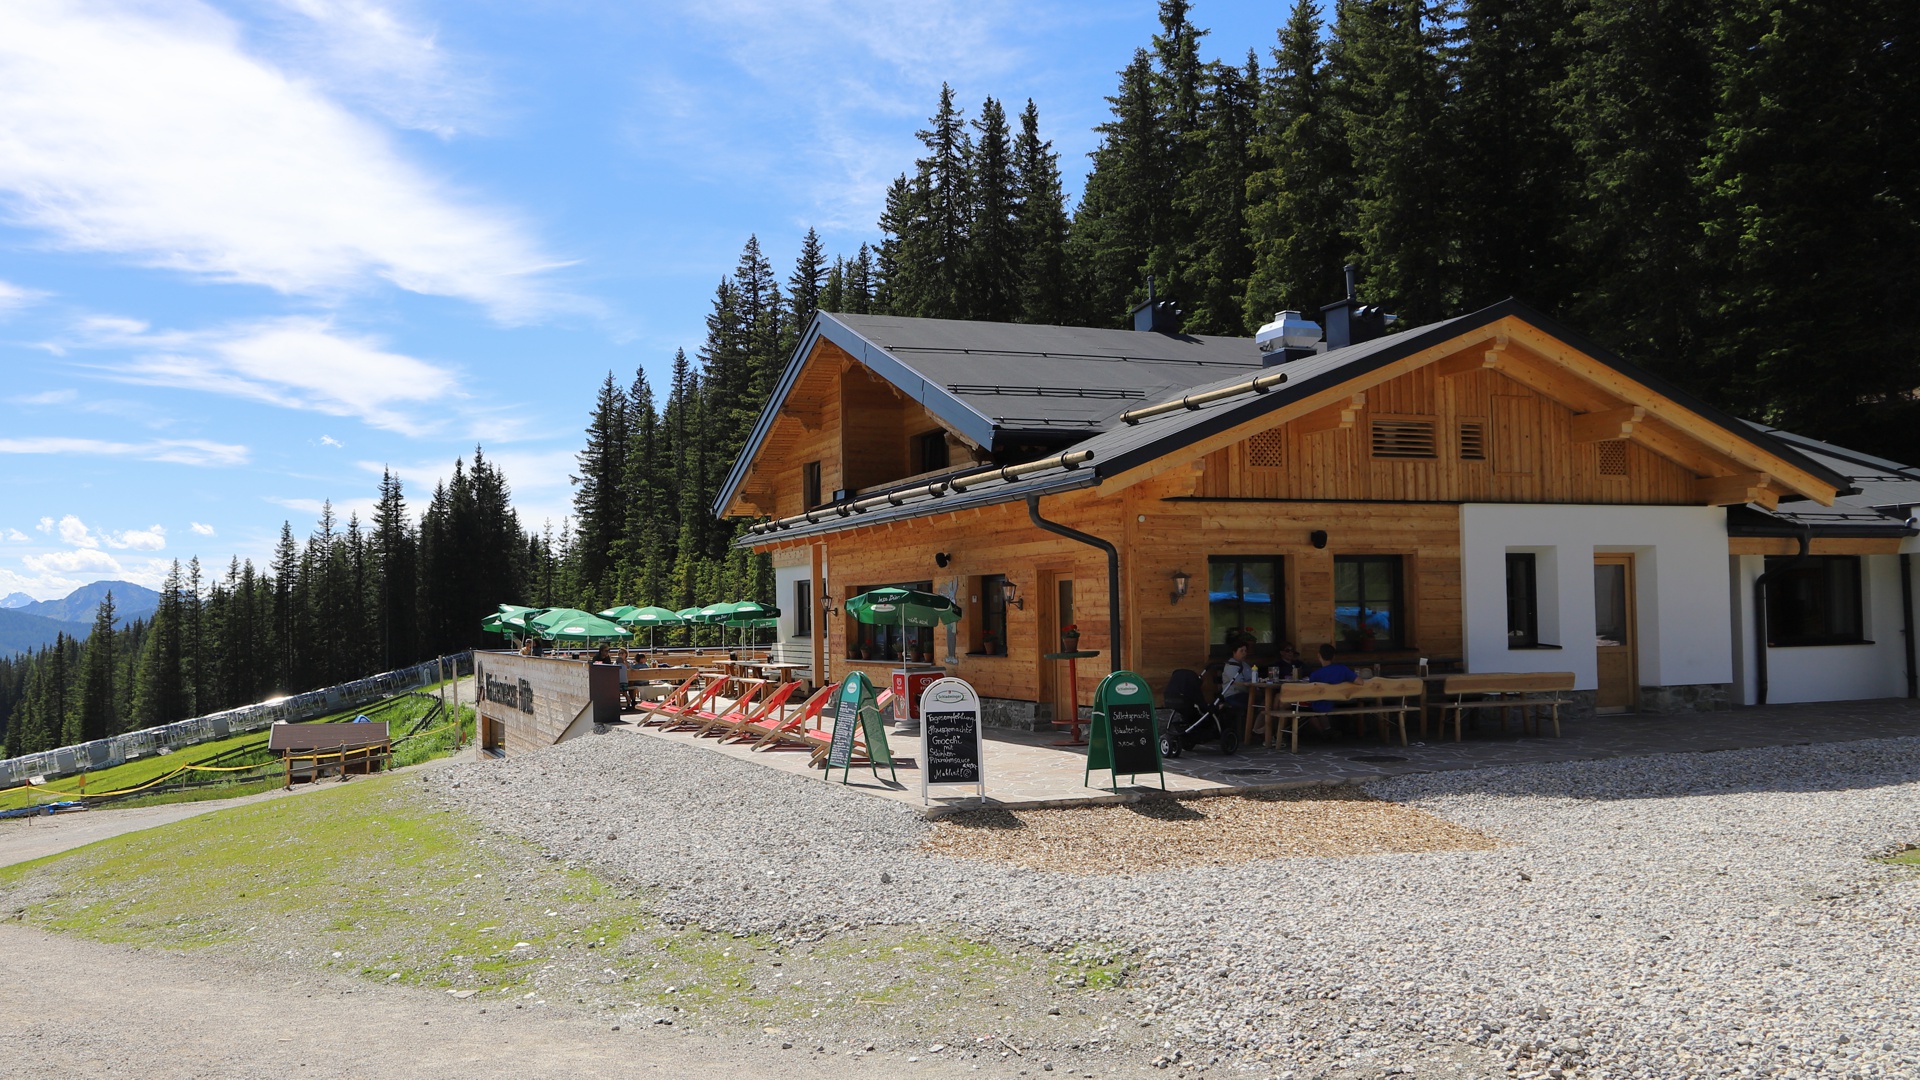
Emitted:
pixel 1749 522
pixel 962 417
pixel 832 521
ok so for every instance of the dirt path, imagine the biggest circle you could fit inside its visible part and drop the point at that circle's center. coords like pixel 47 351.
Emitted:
pixel 78 1008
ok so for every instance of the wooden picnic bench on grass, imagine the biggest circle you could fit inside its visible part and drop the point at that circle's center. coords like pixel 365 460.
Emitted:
pixel 1526 692
pixel 1386 701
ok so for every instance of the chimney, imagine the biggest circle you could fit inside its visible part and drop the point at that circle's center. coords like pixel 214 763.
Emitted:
pixel 1290 336
pixel 1159 316
pixel 1350 322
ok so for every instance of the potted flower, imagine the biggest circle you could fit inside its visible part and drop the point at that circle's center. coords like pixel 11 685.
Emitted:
pixel 1070 638
pixel 990 645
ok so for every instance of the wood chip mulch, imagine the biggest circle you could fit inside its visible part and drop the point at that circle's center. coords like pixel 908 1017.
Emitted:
pixel 1163 834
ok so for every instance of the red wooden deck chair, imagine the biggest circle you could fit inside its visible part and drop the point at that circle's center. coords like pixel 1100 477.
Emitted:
pixel 778 733
pixel 698 720
pixel 734 724
pixel 671 699
pixel 669 715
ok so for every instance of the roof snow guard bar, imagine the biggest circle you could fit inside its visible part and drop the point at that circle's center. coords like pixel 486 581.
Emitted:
pixel 1259 384
pixel 960 483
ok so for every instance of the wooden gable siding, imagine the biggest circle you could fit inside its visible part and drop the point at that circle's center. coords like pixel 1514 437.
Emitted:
pixel 1526 437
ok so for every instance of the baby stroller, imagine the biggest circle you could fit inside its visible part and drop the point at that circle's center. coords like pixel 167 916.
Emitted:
pixel 1189 723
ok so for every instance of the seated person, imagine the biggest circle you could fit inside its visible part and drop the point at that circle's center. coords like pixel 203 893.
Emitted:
pixel 1290 665
pixel 1333 674
pixel 1236 673
pixel 603 655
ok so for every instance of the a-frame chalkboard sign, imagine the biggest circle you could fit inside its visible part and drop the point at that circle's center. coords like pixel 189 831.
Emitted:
pixel 950 737
pixel 1125 736
pixel 854 705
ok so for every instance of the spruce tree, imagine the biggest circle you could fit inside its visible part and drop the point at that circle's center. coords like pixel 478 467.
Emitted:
pixel 1300 202
pixel 99 711
pixel 160 696
pixel 1040 227
pixel 1211 258
pixel 805 287
pixel 993 252
pixel 1126 199
pixel 600 497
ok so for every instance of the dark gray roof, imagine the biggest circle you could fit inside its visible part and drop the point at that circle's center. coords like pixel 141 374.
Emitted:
pixel 1883 494
pixel 1053 378
pixel 1121 447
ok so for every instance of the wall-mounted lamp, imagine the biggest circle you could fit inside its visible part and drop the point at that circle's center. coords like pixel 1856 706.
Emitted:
pixel 941 559
pixel 826 606
pixel 1318 537
pixel 1010 593
pixel 1180 581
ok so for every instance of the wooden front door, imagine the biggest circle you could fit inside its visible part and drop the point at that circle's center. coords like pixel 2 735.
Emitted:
pixel 1056 601
pixel 1613 624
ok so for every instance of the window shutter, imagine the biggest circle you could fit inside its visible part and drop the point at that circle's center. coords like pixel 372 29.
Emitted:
pixel 1403 437
pixel 1473 440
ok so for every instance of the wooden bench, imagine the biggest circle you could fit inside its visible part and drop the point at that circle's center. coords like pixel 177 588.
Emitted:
pixel 1371 698
pixel 1526 692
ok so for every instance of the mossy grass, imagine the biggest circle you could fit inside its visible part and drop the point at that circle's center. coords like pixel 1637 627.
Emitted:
pixel 371 877
pixel 400 711
pixel 1908 857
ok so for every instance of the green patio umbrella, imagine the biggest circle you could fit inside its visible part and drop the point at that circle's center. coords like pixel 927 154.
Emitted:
pixel 572 624
pixel 751 615
pixel 510 619
pixel 689 617
pixel 653 618
pixel 902 608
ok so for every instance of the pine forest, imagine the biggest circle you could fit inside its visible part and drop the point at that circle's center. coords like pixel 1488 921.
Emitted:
pixel 1725 193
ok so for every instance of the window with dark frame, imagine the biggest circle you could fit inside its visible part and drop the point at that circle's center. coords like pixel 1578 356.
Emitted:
pixel 1523 601
pixel 883 641
pixel 930 451
pixel 992 640
pixel 1246 593
pixel 810 485
pixel 1816 602
pixel 803 609
pixel 1369 607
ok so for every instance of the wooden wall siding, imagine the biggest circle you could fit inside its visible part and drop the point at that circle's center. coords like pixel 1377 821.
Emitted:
pixel 1156 538
pixel 1530 450
pixel 1181 535
pixel 988 540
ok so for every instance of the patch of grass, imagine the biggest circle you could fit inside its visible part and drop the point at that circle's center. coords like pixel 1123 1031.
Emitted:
pixel 1908 857
pixel 370 877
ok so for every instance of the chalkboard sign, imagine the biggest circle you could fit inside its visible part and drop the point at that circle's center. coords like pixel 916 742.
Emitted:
pixel 855 706
pixel 950 733
pixel 1125 736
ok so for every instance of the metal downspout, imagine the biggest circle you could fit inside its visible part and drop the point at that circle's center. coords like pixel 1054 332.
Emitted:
pixel 1113 573
pixel 1760 614
pixel 1906 614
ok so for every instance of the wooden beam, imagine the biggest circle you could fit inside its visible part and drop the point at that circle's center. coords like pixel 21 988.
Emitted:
pixel 1780 545
pixel 1339 415
pixel 1610 424
pixel 1682 451
pixel 1555 383
pixel 1466 362
pixel 1737 490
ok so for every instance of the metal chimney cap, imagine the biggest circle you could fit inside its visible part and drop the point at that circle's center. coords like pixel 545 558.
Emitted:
pixel 1289 329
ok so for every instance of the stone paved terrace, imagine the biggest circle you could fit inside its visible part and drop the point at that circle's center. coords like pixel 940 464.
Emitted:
pixel 1025 769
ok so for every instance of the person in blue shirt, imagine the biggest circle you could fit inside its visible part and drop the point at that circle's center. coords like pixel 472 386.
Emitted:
pixel 1332 674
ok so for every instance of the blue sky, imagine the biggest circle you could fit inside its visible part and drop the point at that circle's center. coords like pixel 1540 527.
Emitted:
pixel 252 253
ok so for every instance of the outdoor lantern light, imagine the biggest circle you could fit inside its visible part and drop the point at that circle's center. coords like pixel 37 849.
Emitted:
pixel 1318 538
pixel 941 559
pixel 1180 580
pixel 826 605
pixel 1011 594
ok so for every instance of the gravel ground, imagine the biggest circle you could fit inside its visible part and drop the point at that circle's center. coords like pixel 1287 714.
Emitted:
pixel 1683 915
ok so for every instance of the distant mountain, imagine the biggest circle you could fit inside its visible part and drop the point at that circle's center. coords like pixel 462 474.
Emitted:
pixel 21 632
pixel 15 600
pixel 130 602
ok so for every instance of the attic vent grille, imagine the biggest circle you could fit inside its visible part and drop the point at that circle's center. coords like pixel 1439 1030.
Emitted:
pixel 1613 457
pixel 1403 437
pixel 1473 440
pixel 1264 450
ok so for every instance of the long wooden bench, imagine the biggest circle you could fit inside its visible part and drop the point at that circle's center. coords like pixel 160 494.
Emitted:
pixel 1388 701
pixel 1462 694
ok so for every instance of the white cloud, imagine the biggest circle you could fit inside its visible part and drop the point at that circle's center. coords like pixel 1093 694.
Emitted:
pixel 13 298
pixel 297 362
pixel 75 561
pixel 328 440
pixel 146 131
pixel 46 525
pixel 153 538
pixel 175 451
pixel 375 55
pixel 539 480
pixel 48 397
pixel 75 532
pixel 342 508
pixel 17 535
pixel 202 530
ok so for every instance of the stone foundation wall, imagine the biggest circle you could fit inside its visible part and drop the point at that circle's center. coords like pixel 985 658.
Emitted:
pixel 1016 715
pixel 1698 697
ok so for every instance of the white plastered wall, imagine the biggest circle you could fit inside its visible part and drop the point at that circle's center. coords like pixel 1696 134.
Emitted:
pixel 1827 672
pixel 1680 595
pixel 790 649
